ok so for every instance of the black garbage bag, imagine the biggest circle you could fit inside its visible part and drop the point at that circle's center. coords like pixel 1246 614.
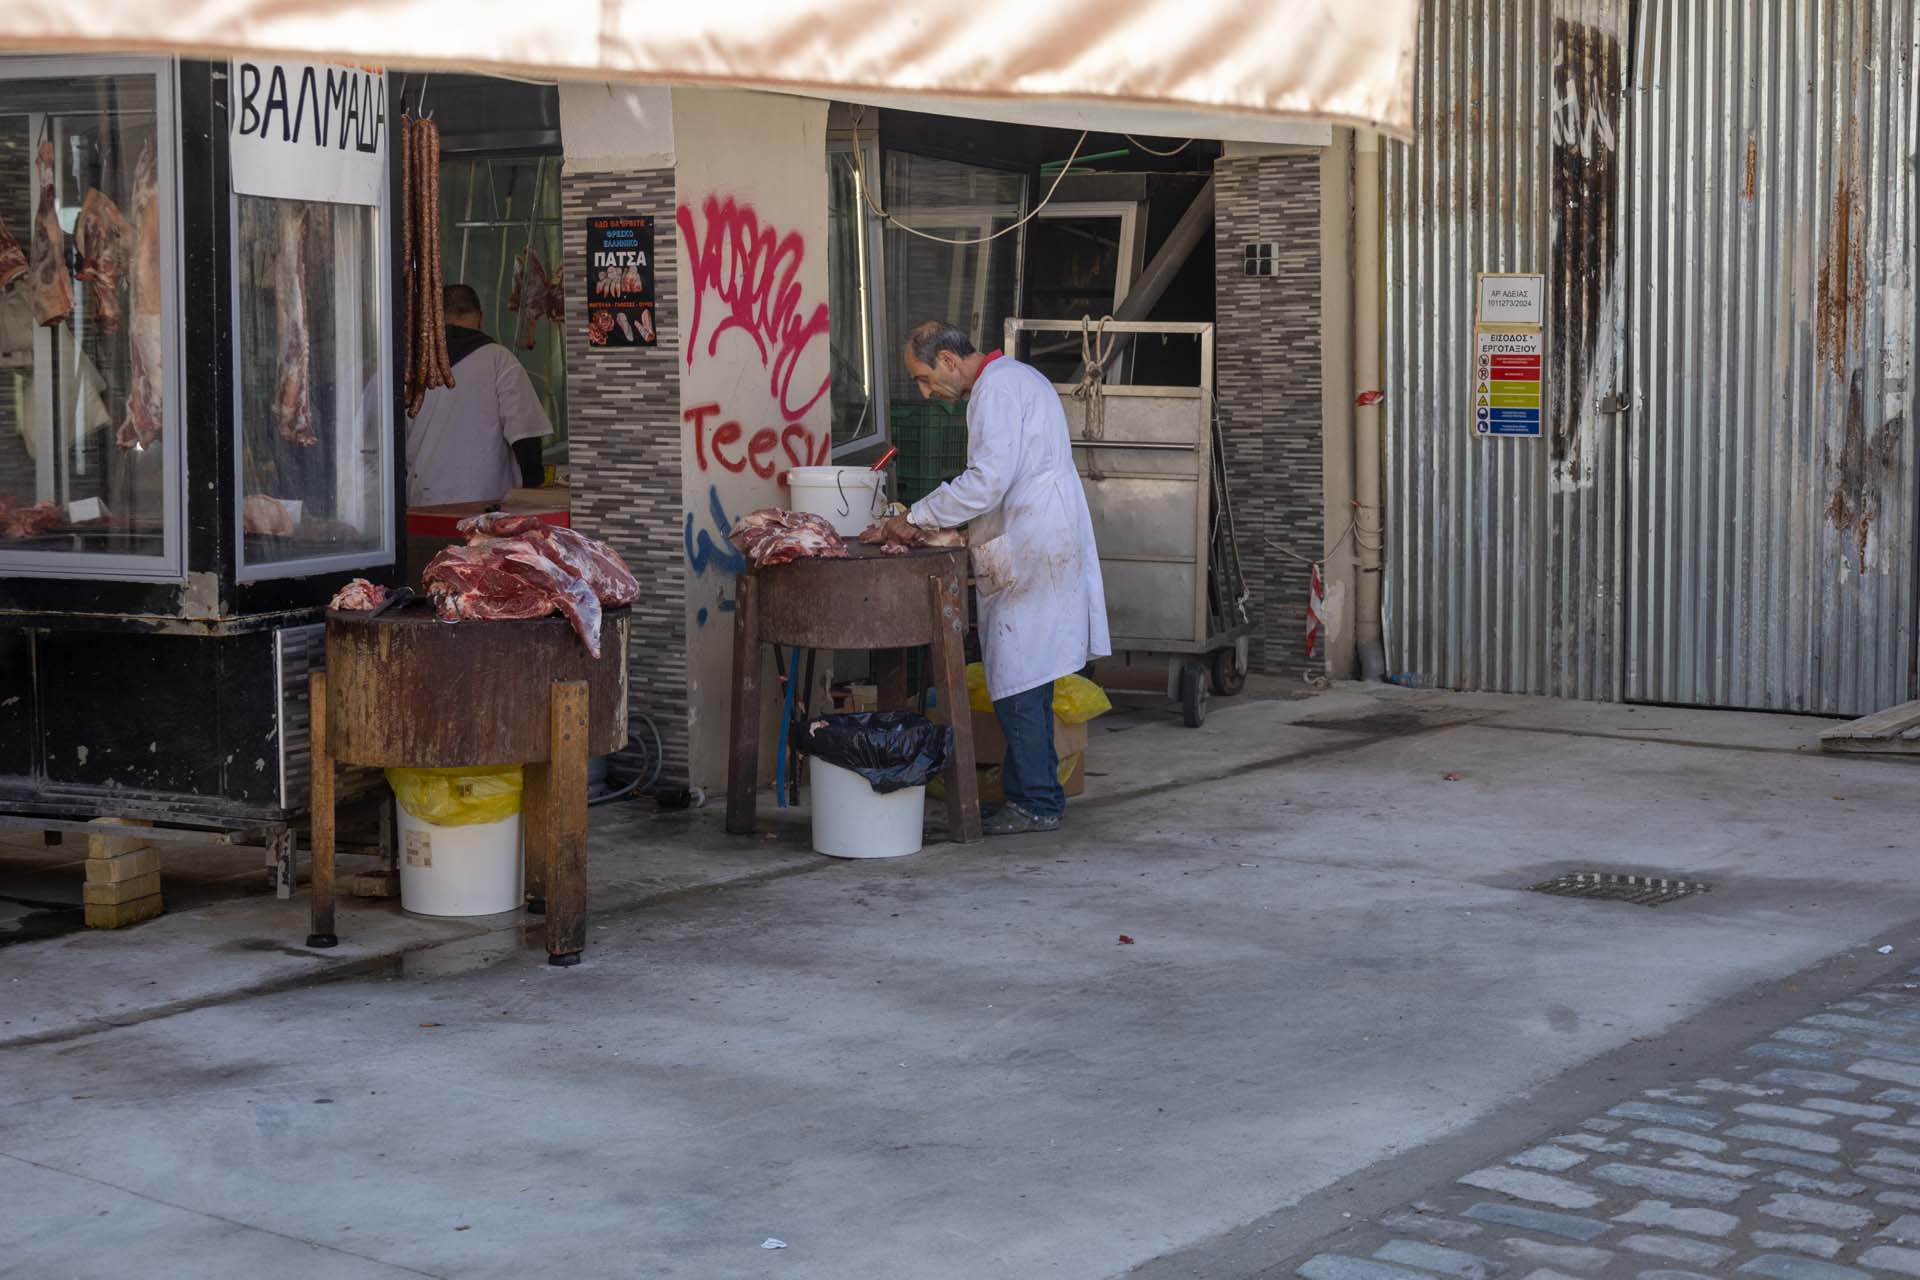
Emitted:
pixel 892 750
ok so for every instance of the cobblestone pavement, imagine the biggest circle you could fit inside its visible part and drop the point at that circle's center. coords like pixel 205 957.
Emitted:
pixel 1799 1162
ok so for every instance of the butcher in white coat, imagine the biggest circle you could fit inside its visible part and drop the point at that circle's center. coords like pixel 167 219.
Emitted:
pixel 1042 608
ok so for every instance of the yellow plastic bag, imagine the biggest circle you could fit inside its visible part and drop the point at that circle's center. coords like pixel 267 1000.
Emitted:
pixel 458 797
pixel 991 791
pixel 1076 699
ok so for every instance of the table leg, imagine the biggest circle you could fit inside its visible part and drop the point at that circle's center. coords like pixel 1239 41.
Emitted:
pixel 320 807
pixel 890 679
pixel 743 738
pixel 949 604
pixel 566 822
pixel 536 832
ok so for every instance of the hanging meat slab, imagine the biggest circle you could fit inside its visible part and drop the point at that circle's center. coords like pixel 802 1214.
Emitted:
pixel 101 239
pixel 532 293
pixel 52 290
pixel 293 401
pixel 13 259
pixel 141 426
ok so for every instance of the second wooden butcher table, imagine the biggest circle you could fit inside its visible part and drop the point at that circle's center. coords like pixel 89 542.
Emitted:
pixel 870 601
pixel 403 689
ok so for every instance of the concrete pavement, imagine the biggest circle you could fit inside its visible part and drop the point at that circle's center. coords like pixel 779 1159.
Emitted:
pixel 951 1066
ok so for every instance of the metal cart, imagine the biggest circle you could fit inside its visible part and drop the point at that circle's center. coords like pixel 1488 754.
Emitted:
pixel 1155 477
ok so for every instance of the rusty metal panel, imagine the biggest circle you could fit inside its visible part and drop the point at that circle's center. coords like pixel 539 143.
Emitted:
pixel 1771 457
pixel 1502 557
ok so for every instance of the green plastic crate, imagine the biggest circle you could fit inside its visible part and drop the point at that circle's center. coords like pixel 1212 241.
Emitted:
pixel 932 439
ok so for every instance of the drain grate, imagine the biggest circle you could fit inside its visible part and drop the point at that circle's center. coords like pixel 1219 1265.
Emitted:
pixel 1607 886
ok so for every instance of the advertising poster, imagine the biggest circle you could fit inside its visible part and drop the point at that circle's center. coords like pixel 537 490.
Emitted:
pixel 620 294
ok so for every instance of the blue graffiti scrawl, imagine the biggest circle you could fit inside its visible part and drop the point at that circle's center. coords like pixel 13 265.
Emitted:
pixel 706 552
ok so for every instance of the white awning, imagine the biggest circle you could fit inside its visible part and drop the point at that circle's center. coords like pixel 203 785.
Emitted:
pixel 1199 68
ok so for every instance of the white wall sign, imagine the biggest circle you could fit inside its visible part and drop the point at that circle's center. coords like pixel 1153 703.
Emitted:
pixel 1512 299
pixel 308 131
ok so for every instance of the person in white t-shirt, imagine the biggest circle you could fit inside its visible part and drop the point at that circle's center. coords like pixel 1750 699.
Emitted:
pixel 475 440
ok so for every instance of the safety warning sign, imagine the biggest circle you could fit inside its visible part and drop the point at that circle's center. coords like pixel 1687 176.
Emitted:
pixel 1507 380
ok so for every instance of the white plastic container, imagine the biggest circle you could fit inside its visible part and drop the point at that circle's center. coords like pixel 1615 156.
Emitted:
pixel 852 820
pixel 851 498
pixel 460 871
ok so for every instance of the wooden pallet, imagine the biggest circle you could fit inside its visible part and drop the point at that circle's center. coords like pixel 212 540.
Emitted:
pixel 1895 731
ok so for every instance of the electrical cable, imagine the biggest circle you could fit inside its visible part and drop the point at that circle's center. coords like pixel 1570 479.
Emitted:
pixel 866 193
pixel 1164 155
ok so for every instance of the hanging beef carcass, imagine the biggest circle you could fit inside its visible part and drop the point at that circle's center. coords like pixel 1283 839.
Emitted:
pixel 52 290
pixel 293 399
pixel 531 297
pixel 773 536
pixel 141 426
pixel 101 240
pixel 13 259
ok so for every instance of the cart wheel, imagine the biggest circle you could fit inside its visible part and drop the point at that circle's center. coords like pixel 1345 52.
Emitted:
pixel 1228 675
pixel 1193 694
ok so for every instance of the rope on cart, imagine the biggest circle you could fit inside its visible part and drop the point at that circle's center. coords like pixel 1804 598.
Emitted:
pixel 1096 349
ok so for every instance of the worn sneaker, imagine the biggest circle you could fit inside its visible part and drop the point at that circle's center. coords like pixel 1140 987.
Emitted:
pixel 1012 820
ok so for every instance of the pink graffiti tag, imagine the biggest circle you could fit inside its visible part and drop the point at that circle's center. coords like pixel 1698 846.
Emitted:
pixel 752 268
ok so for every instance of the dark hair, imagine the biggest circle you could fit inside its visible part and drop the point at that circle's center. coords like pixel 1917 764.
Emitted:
pixel 935 336
pixel 460 300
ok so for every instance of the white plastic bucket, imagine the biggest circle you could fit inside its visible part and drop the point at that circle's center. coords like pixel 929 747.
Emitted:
pixel 473 870
pixel 851 498
pixel 852 820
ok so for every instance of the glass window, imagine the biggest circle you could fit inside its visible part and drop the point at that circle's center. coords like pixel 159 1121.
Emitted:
pixel 859 369
pixel 314 408
pixel 975 286
pixel 1081 261
pixel 500 233
pixel 88 463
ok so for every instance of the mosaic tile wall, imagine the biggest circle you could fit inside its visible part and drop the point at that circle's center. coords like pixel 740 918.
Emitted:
pixel 623 422
pixel 1268 365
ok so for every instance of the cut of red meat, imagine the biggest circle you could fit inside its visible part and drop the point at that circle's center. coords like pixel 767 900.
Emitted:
pixel 359 595
pixel 772 536
pixel 943 539
pixel 27 522
pixel 102 239
pixel 141 425
pixel 52 289
pixel 595 563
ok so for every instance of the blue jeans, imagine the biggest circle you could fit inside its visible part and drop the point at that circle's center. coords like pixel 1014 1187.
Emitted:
pixel 1031 773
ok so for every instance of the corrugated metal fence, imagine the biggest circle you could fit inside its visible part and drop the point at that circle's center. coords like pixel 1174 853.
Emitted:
pixel 1721 196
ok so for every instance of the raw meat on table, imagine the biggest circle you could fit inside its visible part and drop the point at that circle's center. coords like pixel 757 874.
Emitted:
pixel 516 566
pixel 358 596
pixel 773 536
pixel 595 563
pixel 101 240
pixel 293 401
pixel 13 259
pixel 52 290
pixel 141 425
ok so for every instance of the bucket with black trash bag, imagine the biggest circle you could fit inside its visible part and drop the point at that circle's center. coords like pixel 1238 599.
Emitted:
pixel 870 772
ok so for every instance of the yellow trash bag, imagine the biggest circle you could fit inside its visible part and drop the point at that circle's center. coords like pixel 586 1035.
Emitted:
pixel 458 797
pixel 991 792
pixel 1076 699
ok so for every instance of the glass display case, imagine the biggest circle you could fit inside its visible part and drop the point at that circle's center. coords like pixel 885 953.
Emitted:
pixel 89 468
pixel 198 426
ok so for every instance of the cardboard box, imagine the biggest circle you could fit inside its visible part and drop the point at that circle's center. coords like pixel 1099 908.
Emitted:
pixel 990 746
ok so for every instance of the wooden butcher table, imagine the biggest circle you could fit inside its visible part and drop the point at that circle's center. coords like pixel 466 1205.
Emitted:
pixel 871 601
pixel 403 689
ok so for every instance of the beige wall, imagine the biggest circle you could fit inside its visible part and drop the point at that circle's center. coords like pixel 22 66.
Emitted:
pixel 751 196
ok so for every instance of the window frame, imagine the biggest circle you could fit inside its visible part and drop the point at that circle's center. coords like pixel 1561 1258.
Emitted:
pixel 170 565
pixel 870 235
pixel 380 249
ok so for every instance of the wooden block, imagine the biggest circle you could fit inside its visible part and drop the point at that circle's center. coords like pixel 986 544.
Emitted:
pixel 123 867
pixel 112 846
pixel 108 895
pixel 375 884
pixel 120 915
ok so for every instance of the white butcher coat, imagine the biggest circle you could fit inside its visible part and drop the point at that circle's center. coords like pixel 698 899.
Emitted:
pixel 1043 607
